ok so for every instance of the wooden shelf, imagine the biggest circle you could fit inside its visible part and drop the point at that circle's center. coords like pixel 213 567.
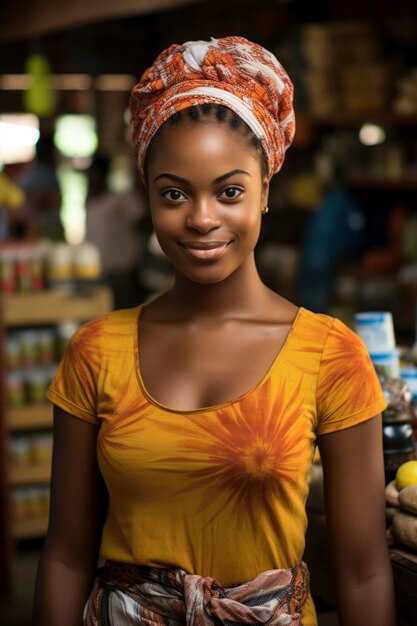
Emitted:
pixel 384 184
pixel 30 473
pixel 29 528
pixel 54 306
pixel 31 416
pixel 384 118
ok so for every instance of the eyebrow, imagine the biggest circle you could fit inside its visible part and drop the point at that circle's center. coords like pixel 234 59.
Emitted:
pixel 184 181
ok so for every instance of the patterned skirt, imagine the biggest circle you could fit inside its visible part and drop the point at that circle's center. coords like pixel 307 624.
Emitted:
pixel 132 595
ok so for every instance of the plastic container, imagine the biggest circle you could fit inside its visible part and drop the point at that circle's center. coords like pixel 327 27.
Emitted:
pixel 377 331
pixel 87 263
pixel 387 365
pixel 60 262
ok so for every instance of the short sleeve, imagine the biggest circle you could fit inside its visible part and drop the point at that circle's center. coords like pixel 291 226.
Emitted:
pixel 348 389
pixel 74 387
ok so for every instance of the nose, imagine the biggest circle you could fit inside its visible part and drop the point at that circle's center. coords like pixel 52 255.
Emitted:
pixel 203 217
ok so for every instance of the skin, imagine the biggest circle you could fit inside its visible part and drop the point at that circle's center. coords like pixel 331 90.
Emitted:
pixel 205 185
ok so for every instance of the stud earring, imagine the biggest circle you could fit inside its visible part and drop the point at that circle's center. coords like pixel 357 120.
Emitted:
pixel 265 210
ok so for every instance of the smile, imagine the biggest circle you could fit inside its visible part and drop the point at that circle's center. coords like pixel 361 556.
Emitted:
pixel 204 250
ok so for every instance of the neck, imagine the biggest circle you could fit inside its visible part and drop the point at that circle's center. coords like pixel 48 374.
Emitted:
pixel 241 292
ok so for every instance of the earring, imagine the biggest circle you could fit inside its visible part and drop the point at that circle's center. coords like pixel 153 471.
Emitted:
pixel 265 210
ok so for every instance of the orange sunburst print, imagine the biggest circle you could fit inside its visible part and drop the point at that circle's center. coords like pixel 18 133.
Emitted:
pixel 249 451
pixel 345 364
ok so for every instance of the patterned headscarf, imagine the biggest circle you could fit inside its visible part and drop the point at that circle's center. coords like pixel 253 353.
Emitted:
pixel 231 71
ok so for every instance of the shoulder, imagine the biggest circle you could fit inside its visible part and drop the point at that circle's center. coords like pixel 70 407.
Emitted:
pixel 331 332
pixel 107 326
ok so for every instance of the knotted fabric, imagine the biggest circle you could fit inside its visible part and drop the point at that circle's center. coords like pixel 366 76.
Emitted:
pixel 125 594
pixel 230 71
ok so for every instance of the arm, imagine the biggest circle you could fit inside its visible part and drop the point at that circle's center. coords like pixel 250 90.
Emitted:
pixel 355 509
pixel 78 503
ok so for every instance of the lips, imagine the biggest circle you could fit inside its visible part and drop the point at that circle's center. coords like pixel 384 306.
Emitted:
pixel 204 250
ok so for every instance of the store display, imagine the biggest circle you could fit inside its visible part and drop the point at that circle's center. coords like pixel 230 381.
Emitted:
pixel 27 267
pixel 346 69
pixel 37 330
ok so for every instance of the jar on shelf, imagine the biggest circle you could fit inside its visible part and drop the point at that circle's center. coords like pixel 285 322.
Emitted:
pixel 15 389
pixel 20 450
pixel 37 380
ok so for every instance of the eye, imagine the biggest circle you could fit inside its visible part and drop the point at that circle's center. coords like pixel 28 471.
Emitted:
pixel 231 193
pixel 173 195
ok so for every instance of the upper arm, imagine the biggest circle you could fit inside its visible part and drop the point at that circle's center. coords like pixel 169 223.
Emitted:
pixel 78 494
pixel 354 483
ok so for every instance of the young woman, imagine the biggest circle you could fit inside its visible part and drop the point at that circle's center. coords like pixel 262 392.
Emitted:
pixel 187 426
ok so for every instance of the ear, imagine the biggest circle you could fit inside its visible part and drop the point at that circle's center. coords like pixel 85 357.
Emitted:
pixel 265 192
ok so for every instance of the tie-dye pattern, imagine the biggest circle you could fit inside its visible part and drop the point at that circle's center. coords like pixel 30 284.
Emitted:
pixel 218 491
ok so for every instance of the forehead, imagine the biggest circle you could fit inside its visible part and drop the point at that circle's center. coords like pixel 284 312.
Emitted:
pixel 202 146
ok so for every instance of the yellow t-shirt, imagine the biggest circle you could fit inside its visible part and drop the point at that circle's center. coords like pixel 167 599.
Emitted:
pixel 219 491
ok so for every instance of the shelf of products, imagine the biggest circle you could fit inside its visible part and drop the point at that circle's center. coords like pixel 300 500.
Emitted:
pixel 51 307
pixel 29 473
pixel 29 528
pixel 27 417
pixel 38 326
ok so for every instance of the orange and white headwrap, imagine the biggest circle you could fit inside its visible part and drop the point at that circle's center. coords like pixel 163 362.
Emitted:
pixel 230 71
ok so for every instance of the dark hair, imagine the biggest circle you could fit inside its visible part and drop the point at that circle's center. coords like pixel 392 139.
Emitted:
pixel 197 113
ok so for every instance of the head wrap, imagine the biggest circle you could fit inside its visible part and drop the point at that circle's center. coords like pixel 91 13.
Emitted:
pixel 231 71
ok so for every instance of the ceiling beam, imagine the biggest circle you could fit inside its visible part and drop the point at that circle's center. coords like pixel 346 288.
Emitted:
pixel 22 19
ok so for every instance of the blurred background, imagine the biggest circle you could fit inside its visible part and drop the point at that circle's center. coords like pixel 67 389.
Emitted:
pixel 75 234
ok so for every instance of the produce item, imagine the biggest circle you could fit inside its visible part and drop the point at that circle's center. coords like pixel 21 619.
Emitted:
pixel 389 513
pixel 391 495
pixel 408 499
pixel 399 399
pixel 404 527
pixel 390 536
pixel 406 475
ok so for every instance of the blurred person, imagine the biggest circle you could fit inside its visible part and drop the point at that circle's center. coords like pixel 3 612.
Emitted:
pixel 185 428
pixel 40 216
pixel 113 225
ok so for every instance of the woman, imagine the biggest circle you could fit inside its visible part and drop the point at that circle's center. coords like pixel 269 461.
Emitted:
pixel 205 404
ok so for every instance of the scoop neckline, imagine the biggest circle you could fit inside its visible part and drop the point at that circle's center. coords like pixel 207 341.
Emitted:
pixel 214 407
